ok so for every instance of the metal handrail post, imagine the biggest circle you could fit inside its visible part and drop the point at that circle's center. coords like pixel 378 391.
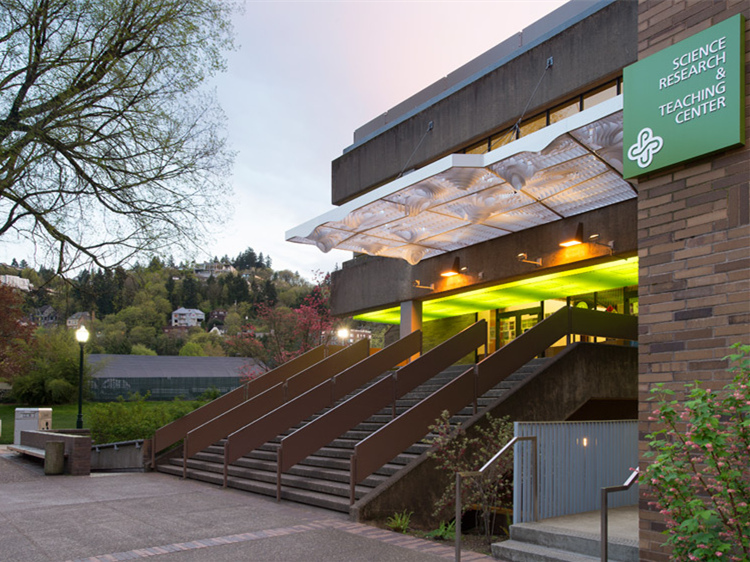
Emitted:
pixel 604 532
pixel 487 465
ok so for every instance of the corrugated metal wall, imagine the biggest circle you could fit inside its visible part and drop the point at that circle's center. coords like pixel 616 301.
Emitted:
pixel 575 460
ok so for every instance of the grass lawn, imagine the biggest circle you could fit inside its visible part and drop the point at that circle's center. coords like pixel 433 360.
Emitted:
pixel 63 417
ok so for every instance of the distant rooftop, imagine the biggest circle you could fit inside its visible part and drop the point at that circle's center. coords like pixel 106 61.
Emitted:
pixel 553 23
pixel 149 366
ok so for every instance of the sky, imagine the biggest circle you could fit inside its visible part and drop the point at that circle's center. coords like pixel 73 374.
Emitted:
pixel 304 76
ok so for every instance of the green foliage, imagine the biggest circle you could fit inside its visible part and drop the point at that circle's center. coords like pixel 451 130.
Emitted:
pixel 140 349
pixel 211 393
pixel 456 451
pixel 446 532
pixel 400 521
pixel 53 377
pixel 192 349
pixel 133 419
pixel 700 474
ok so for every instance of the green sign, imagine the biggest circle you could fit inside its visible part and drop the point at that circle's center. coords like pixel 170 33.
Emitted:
pixel 686 100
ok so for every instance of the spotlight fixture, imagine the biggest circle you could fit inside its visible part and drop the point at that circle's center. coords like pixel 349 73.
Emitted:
pixel 594 239
pixel 522 257
pixel 577 239
pixel 455 269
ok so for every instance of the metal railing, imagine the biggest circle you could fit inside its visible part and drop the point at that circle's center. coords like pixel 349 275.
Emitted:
pixel 302 402
pixel 230 421
pixel 384 444
pixel 604 535
pixel 461 475
pixel 173 432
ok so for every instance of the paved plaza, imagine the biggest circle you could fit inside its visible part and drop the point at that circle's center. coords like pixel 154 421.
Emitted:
pixel 129 516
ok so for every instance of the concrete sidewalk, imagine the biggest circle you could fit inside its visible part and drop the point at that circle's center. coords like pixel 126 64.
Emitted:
pixel 129 516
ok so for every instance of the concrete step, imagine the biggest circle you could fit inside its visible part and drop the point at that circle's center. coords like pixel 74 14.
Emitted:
pixel 333 503
pixel 575 542
pixel 517 551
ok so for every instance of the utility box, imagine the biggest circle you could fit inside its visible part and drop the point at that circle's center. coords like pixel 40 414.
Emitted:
pixel 31 419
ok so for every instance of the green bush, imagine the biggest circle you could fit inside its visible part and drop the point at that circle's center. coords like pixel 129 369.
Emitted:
pixel 133 419
pixel 140 349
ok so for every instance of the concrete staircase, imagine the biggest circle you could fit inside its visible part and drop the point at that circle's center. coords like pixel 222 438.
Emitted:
pixel 322 479
pixel 570 539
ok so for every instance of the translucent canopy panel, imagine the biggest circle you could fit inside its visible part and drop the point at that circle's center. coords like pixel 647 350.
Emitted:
pixel 599 277
pixel 568 168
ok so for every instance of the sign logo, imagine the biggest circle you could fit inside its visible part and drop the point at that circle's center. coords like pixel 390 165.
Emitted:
pixel 692 93
pixel 642 152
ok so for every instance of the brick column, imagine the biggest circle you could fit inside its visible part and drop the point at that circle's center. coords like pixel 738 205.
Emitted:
pixel 694 247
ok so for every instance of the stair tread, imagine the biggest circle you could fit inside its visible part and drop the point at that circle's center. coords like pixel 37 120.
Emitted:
pixel 517 551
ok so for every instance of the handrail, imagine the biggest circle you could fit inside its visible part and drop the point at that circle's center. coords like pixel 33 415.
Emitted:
pixel 604 538
pixel 414 424
pixel 240 438
pixel 322 396
pixel 221 426
pixel 487 465
pixel 172 432
pixel 382 445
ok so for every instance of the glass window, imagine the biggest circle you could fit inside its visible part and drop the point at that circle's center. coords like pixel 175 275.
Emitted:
pixel 534 124
pixel 501 139
pixel 479 148
pixel 599 95
pixel 565 110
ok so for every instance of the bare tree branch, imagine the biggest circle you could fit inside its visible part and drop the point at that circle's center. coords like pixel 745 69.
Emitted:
pixel 108 148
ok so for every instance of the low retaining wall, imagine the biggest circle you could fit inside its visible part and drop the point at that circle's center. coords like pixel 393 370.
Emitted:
pixel 77 447
pixel 125 456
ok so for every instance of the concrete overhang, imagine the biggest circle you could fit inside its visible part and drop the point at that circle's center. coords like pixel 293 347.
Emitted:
pixel 565 169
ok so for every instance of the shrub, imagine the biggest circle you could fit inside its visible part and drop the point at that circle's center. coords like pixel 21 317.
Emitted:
pixel 140 349
pixel 455 451
pixel 133 419
pixel 700 474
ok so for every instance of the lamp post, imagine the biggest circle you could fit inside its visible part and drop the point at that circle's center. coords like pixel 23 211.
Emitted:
pixel 82 336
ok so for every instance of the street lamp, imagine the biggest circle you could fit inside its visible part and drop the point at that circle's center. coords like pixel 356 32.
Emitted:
pixel 82 335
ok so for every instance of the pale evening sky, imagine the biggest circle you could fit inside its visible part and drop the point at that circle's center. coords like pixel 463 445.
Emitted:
pixel 304 77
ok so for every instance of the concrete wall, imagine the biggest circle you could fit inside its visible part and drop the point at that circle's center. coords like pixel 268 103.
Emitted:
pixel 496 100
pixel 77 448
pixel 694 246
pixel 370 283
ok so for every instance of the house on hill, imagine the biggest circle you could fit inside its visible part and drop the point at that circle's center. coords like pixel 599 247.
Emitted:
pixel 187 317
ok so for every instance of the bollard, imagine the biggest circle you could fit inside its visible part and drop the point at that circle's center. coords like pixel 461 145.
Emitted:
pixel 54 457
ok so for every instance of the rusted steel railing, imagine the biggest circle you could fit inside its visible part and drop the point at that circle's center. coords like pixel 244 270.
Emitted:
pixel 324 395
pixel 237 425
pixel 413 425
pixel 178 429
pixel 374 455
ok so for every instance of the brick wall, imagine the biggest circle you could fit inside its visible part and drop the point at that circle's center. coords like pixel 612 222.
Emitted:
pixel 694 247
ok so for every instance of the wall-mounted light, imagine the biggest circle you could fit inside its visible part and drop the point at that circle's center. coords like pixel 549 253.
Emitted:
pixel 417 285
pixel 522 257
pixel 455 269
pixel 577 239
pixel 594 239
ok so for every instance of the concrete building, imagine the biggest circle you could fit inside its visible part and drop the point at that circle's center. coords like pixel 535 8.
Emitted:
pixel 615 123
pixel 186 317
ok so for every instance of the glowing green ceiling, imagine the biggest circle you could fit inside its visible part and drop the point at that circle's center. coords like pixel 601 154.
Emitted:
pixel 600 277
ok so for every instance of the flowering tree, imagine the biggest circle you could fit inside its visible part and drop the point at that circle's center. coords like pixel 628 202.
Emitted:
pixel 15 336
pixel 701 469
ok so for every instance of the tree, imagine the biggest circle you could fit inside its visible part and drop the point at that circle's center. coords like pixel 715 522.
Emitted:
pixel 108 147
pixel 15 336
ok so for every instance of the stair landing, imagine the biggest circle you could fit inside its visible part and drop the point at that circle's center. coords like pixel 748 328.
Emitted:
pixel 572 538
